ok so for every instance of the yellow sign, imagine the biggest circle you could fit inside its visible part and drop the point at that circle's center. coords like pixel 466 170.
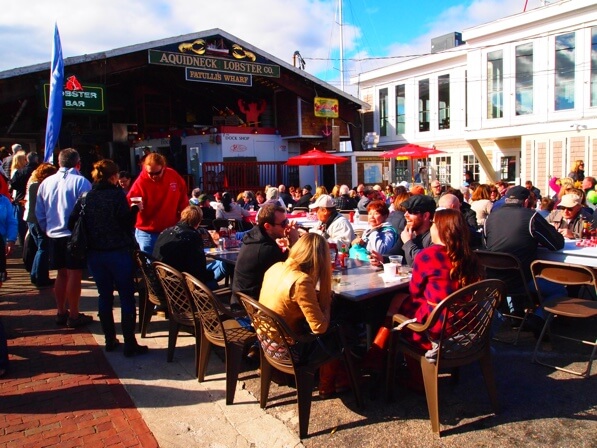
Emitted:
pixel 326 107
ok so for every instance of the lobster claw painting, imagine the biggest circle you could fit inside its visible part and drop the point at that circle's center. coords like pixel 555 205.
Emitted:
pixel 252 111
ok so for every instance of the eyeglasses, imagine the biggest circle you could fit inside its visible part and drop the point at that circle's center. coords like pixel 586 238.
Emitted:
pixel 155 173
pixel 282 224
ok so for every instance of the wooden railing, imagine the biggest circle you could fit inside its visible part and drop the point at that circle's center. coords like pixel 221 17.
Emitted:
pixel 236 177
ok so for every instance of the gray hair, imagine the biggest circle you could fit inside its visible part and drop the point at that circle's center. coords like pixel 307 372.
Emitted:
pixel 344 189
pixel 272 193
pixel 68 158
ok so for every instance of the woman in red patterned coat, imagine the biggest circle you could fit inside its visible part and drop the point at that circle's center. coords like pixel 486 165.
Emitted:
pixel 439 270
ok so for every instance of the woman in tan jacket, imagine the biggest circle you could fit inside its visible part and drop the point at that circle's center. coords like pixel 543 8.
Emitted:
pixel 290 288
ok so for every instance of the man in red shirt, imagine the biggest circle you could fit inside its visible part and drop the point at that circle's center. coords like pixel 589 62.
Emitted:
pixel 163 194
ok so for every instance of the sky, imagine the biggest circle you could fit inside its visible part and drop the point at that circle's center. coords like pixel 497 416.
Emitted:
pixel 375 32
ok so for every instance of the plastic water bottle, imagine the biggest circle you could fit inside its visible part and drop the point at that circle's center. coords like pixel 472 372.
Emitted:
pixel 356 215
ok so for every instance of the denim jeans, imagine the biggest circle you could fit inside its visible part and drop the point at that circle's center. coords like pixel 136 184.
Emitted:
pixel 220 270
pixel 146 240
pixel 41 263
pixel 113 270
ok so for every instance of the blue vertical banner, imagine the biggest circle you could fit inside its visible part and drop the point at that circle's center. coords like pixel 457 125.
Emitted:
pixel 55 102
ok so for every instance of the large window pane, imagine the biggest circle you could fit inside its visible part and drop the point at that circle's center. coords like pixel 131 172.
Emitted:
pixel 424 112
pixel 524 79
pixel 443 169
pixel 400 109
pixel 594 66
pixel 470 163
pixel 495 84
pixel 508 168
pixel 383 112
pixel 443 105
pixel 564 72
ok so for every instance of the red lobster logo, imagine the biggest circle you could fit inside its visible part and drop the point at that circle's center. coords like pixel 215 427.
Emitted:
pixel 72 83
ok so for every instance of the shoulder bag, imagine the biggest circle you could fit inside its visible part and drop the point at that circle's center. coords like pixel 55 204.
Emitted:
pixel 77 244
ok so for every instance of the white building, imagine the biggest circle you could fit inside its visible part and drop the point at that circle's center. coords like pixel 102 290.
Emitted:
pixel 517 101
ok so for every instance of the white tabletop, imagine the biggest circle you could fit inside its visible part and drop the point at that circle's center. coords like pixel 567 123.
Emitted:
pixel 571 253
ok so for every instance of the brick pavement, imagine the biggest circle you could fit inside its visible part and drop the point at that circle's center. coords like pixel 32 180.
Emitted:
pixel 60 390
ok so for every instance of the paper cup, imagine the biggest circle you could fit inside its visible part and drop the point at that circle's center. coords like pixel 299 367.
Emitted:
pixel 136 199
pixel 390 269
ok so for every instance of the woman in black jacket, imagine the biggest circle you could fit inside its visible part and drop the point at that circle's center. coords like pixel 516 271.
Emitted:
pixel 109 222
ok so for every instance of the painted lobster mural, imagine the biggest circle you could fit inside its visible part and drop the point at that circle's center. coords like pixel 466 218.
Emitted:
pixel 252 111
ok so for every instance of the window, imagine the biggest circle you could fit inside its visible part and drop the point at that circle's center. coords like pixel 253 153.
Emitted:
pixel 400 109
pixel 524 79
pixel 424 111
pixel 470 163
pixel 443 104
pixel 495 84
pixel 402 171
pixel 564 72
pixel 508 168
pixel 383 112
pixel 444 169
pixel 594 66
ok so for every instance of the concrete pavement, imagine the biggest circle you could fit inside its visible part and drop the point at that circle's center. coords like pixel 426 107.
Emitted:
pixel 64 390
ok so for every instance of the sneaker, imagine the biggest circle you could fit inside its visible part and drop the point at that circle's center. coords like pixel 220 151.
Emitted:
pixel 62 318
pixel 79 321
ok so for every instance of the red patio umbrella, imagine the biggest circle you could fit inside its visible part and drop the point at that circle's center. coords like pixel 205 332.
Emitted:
pixel 411 151
pixel 315 158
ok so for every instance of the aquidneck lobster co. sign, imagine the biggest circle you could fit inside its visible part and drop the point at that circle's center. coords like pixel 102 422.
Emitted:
pixel 213 63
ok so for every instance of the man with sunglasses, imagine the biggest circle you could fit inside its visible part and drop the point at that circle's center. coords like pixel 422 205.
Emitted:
pixel 163 194
pixel 569 217
pixel 264 245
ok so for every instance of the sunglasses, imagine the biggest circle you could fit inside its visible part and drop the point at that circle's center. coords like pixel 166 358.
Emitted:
pixel 413 212
pixel 282 224
pixel 155 173
pixel 568 209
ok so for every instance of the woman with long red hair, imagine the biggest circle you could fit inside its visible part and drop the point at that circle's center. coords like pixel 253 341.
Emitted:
pixel 438 270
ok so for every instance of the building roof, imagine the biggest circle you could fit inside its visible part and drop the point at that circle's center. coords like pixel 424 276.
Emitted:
pixel 174 41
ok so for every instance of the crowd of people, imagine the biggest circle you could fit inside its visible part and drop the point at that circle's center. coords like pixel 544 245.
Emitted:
pixel 281 263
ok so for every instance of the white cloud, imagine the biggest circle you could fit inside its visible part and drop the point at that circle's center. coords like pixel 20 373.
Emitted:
pixel 279 27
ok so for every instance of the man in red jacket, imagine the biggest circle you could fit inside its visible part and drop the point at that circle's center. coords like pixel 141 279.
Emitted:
pixel 163 194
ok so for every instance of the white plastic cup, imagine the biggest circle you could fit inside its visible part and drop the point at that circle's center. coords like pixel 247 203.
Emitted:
pixel 390 269
pixel 136 200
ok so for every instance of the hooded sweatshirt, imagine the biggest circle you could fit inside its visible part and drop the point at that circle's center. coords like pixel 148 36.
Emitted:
pixel 163 200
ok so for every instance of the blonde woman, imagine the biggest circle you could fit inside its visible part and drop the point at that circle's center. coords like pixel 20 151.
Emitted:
pixel 290 289
pixel 318 192
pixel 577 173
pixel 19 160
